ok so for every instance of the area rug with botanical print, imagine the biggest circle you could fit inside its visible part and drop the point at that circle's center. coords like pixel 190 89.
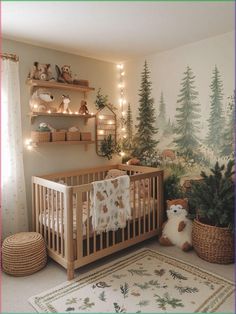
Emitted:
pixel 142 282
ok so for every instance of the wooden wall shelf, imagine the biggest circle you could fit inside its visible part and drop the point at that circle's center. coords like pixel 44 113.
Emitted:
pixel 53 84
pixel 85 143
pixel 34 115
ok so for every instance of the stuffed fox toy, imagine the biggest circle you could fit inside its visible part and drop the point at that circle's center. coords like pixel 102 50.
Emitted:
pixel 177 230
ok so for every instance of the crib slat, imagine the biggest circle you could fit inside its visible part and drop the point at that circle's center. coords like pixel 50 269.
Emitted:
pixel 144 207
pixel 88 216
pixel 134 210
pixel 57 217
pixel 153 201
pixel 44 213
pixel 37 209
pixel 160 201
pixel 62 224
pixel 149 203
pixel 40 209
pixel 49 191
pixel 139 207
pixel 94 241
pixel 79 225
pixel 128 228
pixel 107 239
pixel 101 244
pixel 53 220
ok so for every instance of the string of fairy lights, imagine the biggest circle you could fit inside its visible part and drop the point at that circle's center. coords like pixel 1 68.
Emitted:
pixel 122 102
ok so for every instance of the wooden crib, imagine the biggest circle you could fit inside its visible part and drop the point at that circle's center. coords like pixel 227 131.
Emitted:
pixel 61 213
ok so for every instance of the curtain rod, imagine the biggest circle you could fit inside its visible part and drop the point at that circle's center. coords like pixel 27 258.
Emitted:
pixel 9 56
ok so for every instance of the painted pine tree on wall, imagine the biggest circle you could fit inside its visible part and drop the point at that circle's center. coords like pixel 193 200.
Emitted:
pixel 128 141
pixel 187 116
pixel 216 121
pixel 228 136
pixel 162 113
pixel 144 137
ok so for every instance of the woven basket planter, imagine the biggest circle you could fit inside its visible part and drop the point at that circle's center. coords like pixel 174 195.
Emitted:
pixel 73 136
pixel 86 136
pixel 23 254
pixel 40 137
pixel 213 244
pixel 58 136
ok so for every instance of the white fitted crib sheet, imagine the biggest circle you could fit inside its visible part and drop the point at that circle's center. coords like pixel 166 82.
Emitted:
pixel 49 218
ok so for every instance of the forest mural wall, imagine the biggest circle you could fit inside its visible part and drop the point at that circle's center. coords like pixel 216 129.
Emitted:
pixel 188 138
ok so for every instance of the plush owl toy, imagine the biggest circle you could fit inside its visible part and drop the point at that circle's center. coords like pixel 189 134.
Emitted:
pixel 177 230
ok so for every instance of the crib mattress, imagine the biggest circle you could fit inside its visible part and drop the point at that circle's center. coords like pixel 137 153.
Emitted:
pixel 50 218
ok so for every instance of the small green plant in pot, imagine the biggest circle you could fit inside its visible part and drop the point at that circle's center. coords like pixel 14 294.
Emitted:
pixel 213 199
pixel 108 147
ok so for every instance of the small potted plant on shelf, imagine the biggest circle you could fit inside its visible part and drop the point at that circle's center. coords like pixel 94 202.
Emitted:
pixel 108 147
pixel 213 199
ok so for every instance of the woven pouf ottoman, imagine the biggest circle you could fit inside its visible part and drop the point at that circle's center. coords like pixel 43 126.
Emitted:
pixel 23 253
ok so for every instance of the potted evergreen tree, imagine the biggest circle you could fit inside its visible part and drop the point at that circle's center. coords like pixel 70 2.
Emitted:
pixel 213 199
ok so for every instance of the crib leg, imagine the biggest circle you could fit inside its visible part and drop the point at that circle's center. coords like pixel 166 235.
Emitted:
pixel 70 272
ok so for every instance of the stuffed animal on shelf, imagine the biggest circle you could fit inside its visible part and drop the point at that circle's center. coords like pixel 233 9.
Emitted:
pixel 133 161
pixel 73 129
pixel 177 230
pixel 64 75
pixel 64 105
pixel 40 100
pixel 83 107
pixel 43 127
pixel 41 72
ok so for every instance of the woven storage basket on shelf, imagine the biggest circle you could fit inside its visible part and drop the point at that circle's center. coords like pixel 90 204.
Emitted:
pixel 40 137
pixel 86 136
pixel 58 136
pixel 73 136
pixel 213 244
pixel 23 253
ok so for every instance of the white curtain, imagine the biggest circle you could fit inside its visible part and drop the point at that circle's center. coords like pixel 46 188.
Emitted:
pixel 13 205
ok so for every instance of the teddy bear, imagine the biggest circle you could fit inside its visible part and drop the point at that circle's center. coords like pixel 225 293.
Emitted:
pixel 64 105
pixel 40 100
pixel 41 71
pixel 177 230
pixel 64 75
pixel 83 107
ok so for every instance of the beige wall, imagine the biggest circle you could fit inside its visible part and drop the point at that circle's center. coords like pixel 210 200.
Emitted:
pixel 49 159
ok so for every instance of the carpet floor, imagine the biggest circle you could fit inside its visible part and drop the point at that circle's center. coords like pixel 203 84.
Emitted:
pixel 16 291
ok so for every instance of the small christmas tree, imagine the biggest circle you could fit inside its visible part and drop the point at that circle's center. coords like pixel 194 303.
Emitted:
pixel 216 120
pixel 101 100
pixel 144 138
pixel 162 113
pixel 187 116
pixel 228 136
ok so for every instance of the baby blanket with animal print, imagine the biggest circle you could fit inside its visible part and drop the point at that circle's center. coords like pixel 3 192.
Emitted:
pixel 110 203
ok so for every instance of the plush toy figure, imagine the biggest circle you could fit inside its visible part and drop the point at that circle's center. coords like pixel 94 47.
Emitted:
pixel 40 100
pixel 64 105
pixel 64 75
pixel 83 107
pixel 41 71
pixel 133 161
pixel 177 230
